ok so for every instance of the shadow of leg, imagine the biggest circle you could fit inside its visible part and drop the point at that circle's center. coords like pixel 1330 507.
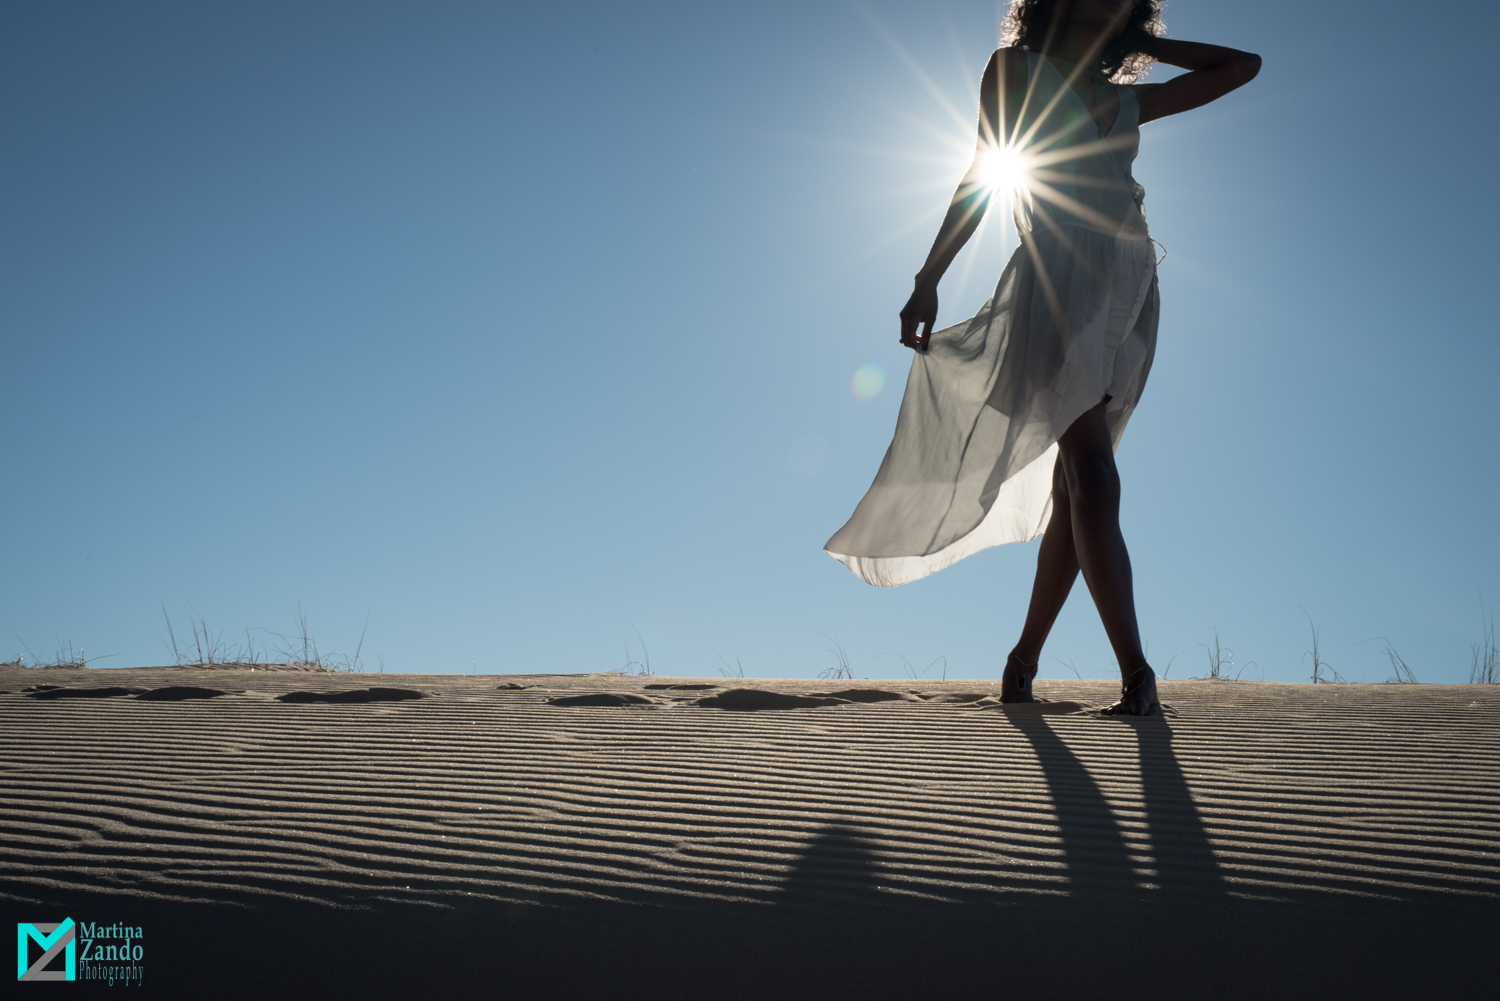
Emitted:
pixel 1185 861
pixel 1098 858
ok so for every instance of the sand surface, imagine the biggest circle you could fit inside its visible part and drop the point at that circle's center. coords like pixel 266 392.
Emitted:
pixel 1257 840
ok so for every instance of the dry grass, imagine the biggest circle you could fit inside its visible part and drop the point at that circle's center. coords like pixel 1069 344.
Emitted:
pixel 299 649
pixel 843 669
pixel 1322 671
pixel 1070 666
pixel 1485 669
pixel 1221 665
pixel 302 649
pixel 641 666
pixel 912 673
pixel 1404 675
pixel 209 648
pixel 65 657
pixel 738 671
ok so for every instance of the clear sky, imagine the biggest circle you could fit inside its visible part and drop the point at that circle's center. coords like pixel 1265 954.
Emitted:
pixel 502 331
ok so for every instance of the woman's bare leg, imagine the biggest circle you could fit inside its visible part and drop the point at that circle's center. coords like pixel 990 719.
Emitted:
pixel 1087 456
pixel 1056 570
pixel 1084 534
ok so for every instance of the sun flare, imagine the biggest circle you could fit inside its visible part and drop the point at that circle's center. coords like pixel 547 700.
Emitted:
pixel 1004 169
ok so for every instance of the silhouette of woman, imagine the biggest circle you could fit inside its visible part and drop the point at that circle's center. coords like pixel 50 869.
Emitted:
pixel 1011 418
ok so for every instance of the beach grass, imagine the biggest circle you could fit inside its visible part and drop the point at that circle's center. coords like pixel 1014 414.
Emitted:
pixel 1322 671
pixel 1485 669
pixel 843 668
pixel 1403 674
pixel 1221 665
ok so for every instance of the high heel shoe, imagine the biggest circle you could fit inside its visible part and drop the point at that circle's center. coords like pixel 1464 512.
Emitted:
pixel 1137 696
pixel 1015 683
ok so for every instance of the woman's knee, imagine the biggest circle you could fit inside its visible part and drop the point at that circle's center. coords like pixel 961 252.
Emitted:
pixel 1059 484
pixel 1091 476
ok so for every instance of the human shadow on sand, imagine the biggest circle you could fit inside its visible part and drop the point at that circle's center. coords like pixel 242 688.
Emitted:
pixel 1099 858
pixel 836 931
pixel 842 925
pixel 838 868
pixel 839 865
pixel 1097 855
pixel 1185 860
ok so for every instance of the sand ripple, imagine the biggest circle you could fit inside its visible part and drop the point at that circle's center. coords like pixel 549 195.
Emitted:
pixel 455 788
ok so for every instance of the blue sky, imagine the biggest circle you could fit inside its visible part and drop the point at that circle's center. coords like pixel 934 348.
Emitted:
pixel 501 332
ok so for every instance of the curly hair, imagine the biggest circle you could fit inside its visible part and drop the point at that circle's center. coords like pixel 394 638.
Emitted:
pixel 1027 21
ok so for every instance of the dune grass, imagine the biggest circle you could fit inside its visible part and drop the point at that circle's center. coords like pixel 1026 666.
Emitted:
pixel 64 657
pixel 632 665
pixel 1403 675
pixel 1485 669
pixel 1322 671
pixel 915 675
pixel 1221 665
pixel 843 669
pixel 299 648
pixel 738 671
pixel 207 647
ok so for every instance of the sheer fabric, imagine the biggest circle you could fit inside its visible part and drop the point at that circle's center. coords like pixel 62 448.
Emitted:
pixel 1072 320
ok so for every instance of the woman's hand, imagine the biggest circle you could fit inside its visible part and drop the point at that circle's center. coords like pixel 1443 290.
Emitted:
pixel 918 316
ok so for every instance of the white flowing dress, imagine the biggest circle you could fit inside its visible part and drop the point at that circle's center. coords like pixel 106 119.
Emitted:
pixel 1072 321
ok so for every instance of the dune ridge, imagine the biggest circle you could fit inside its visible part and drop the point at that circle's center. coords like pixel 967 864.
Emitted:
pixel 1250 789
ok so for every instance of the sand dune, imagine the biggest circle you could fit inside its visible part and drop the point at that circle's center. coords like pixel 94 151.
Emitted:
pixel 527 803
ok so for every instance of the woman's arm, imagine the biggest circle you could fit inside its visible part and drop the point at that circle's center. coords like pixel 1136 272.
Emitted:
pixel 1001 92
pixel 1214 72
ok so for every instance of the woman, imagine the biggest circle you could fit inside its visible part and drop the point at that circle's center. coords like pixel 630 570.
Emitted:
pixel 1011 418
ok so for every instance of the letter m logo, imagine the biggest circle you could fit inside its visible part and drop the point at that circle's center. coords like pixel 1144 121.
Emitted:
pixel 53 938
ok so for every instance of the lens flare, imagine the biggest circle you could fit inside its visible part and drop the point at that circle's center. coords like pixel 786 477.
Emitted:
pixel 867 383
pixel 1005 169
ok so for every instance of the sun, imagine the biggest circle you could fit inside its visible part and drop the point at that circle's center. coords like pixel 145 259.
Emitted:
pixel 1004 169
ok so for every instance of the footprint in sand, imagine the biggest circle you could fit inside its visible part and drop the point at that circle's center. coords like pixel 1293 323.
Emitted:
pixel 53 692
pixel 867 695
pixel 357 695
pixel 754 698
pixel 603 700
pixel 179 693
pixel 954 698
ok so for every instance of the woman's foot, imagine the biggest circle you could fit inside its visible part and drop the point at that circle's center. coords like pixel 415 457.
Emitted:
pixel 1015 683
pixel 1137 696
